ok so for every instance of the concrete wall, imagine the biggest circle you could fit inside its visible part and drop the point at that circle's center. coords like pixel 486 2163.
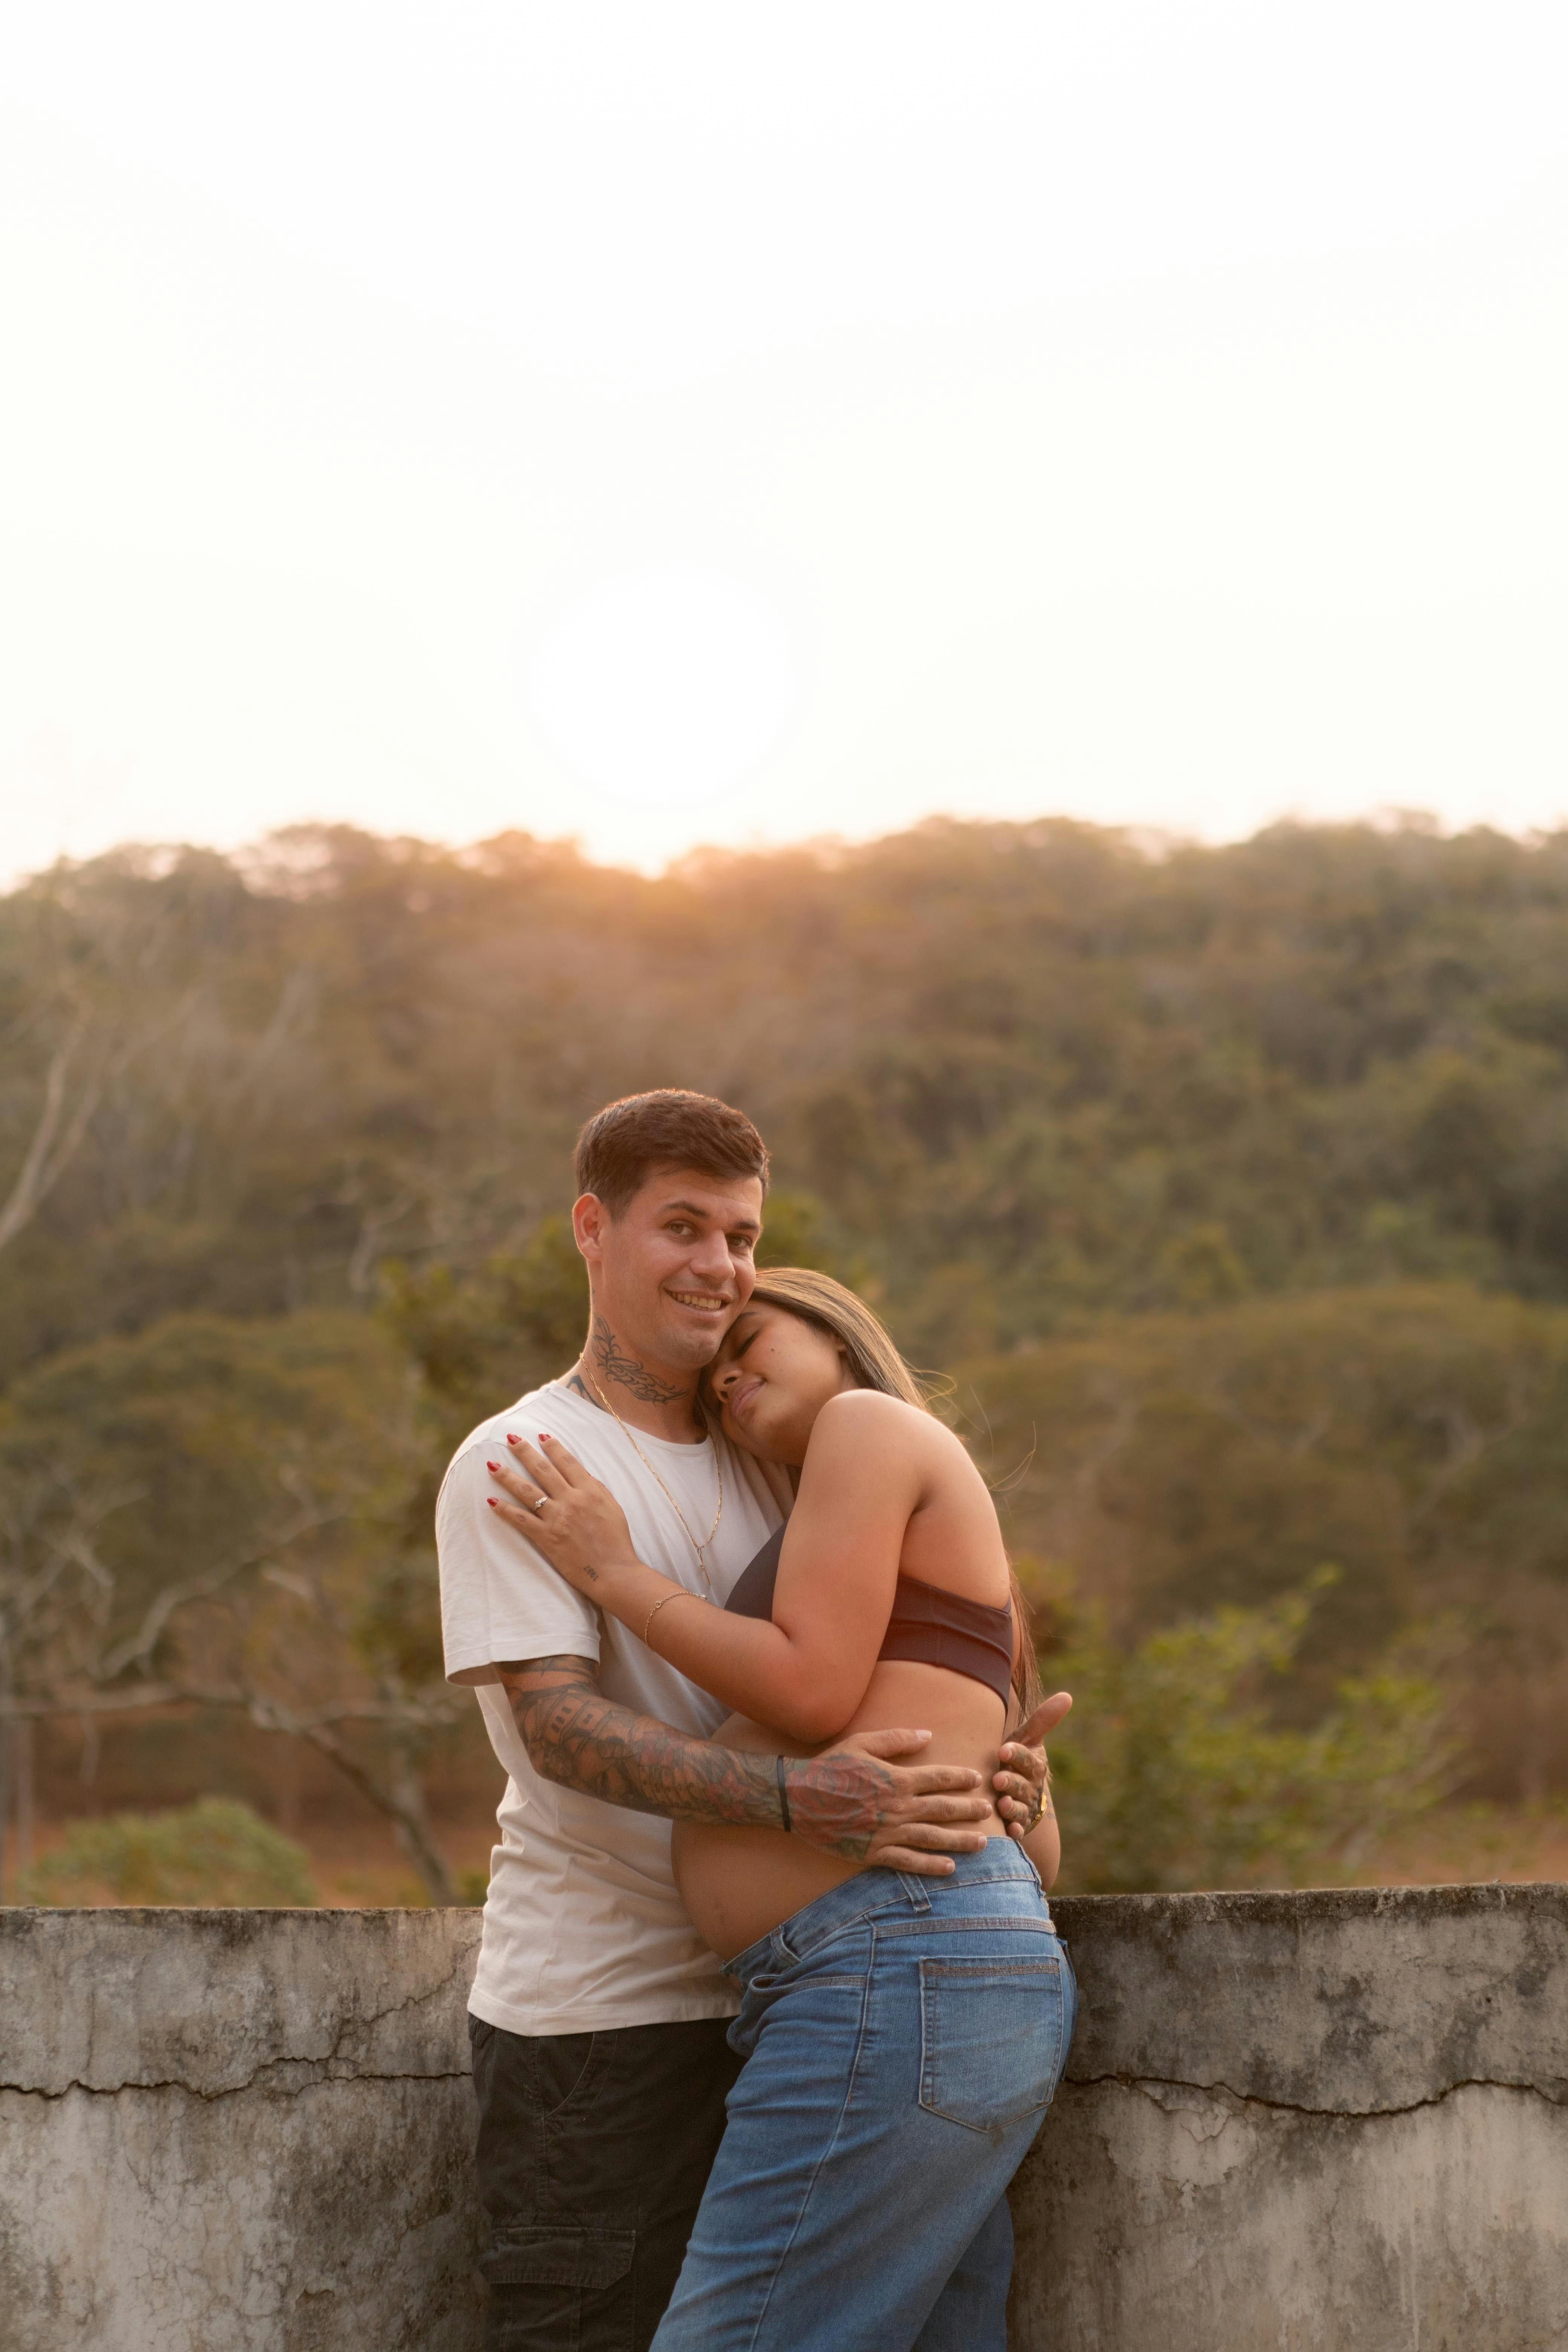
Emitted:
pixel 1299 2121
pixel 1291 2122
pixel 237 2131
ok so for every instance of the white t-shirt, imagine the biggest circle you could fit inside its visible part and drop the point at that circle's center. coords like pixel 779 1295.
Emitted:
pixel 583 1929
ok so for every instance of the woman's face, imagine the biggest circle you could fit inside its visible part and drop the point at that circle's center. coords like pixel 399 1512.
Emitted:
pixel 772 1378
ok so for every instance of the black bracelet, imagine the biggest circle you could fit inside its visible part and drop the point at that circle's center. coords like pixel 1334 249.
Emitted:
pixel 783 1792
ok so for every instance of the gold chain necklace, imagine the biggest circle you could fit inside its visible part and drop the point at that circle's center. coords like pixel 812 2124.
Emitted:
pixel 698 1546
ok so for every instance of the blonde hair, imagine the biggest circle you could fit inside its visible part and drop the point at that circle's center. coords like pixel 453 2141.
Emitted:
pixel 876 1363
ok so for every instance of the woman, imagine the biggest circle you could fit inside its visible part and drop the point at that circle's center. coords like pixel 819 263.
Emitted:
pixel 903 2037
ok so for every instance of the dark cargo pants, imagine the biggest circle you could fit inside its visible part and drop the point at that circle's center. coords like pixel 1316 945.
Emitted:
pixel 593 2150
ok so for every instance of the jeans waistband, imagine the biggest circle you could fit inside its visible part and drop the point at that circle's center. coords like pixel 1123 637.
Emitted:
pixel 873 1892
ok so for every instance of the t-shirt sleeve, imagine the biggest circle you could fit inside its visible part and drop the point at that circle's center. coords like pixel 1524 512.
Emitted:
pixel 501 1599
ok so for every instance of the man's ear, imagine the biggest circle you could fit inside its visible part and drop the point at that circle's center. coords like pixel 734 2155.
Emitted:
pixel 590 1220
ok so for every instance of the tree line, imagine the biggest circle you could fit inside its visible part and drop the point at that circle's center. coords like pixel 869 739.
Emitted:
pixel 1230 1188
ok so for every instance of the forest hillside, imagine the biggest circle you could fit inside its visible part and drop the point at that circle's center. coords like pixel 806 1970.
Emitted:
pixel 1229 1186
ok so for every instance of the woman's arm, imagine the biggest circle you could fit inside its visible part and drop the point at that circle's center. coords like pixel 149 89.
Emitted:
pixel 807 1670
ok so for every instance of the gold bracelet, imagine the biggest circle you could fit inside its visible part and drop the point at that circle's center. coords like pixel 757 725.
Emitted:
pixel 653 1612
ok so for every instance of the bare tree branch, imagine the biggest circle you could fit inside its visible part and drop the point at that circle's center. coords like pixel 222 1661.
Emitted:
pixel 412 1713
pixel 138 1648
pixel 404 1808
pixel 61 1657
pixel 50 1152
pixel 403 1805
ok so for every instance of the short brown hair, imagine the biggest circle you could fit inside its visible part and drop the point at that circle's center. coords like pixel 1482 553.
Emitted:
pixel 621 1145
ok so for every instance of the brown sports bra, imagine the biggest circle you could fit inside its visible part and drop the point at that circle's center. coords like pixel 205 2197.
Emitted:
pixel 928 1627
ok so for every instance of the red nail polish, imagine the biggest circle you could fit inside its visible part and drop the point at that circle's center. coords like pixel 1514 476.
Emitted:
pixel 492 1466
pixel 511 1440
pixel 492 1501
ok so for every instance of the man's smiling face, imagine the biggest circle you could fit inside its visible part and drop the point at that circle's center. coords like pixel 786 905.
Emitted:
pixel 672 1270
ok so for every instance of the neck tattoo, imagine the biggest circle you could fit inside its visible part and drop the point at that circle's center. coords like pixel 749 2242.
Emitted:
pixel 628 1371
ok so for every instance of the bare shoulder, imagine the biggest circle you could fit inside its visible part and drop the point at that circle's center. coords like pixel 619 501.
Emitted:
pixel 861 1418
pixel 862 1411
pixel 862 1431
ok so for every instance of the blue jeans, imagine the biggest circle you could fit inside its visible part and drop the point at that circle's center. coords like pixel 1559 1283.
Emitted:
pixel 903 2038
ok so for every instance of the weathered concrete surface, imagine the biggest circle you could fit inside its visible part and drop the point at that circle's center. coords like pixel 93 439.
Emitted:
pixel 237 2131
pixel 1301 2123
pixel 1307 2122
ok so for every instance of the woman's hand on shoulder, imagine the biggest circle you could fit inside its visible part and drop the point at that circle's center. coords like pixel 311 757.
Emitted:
pixel 564 1511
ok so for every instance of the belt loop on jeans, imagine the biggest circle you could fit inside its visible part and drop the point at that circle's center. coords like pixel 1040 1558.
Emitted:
pixel 919 1899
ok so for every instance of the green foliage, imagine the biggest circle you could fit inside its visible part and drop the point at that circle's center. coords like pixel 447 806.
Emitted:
pixel 797 1231
pixel 1170 1772
pixel 214 1853
pixel 1233 1181
pixel 1100 1080
pixel 212 1514
pixel 239 1453
pixel 1413 1435
pixel 397 1624
pixel 480 1339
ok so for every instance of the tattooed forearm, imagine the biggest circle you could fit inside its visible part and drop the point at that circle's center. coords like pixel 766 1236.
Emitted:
pixel 843 1801
pixel 628 1371
pixel 575 1736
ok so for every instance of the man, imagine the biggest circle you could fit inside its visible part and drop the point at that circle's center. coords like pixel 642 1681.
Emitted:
pixel 597 2019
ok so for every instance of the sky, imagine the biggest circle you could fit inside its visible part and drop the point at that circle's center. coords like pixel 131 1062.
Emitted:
pixel 715 424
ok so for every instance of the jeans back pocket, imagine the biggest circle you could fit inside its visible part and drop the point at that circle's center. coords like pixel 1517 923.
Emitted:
pixel 992 2039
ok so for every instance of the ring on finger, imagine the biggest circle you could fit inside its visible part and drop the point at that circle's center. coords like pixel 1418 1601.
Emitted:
pixel 537 1504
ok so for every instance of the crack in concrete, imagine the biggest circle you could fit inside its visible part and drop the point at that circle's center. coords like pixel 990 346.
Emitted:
pixel 1150 2084
pixel 313 2069
pixel 320 2066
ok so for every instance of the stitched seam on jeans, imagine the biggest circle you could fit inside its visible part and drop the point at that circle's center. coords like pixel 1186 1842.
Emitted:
pixel 955 1924
pixel 930 1972
pixel 862 1919
pixel 990 1968
pixel 867 1980
pixel 811 2187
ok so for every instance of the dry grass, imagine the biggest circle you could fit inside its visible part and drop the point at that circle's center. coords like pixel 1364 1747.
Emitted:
pixel 360 1867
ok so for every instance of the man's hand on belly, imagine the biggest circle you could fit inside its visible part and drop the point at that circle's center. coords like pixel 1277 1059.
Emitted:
pixel 853 1800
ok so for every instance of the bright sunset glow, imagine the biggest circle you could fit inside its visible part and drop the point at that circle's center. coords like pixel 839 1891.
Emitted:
pixel 665 686
pixel 1143 414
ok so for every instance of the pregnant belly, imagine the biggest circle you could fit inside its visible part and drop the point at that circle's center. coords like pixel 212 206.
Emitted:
pixel 738 1884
